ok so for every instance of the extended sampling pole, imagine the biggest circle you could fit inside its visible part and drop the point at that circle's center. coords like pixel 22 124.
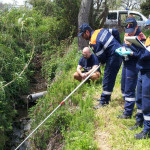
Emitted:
pixel 58 106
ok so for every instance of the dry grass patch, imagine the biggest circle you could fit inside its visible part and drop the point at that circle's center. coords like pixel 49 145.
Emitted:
pixel 113 133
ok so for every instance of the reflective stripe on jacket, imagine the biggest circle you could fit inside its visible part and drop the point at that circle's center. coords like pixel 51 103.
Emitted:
pixel 103 43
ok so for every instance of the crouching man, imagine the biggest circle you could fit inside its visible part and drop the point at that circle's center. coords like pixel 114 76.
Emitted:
pixel 88 62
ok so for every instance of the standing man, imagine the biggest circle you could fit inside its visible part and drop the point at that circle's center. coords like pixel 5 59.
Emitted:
pixel 88 62
pixel 143 91
pixel 143 88
pixel 129 70
pixel 103 45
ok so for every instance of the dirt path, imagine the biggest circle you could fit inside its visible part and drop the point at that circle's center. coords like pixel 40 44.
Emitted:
pixel 101 136
pixel 104 122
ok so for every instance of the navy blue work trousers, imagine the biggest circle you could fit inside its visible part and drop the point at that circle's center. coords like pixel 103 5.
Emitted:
pixel 112 67
pixel 128 85
pixel 143 99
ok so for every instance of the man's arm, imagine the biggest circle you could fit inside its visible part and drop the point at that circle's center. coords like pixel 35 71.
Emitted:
pixel 83 75
pixel 90 71
pixel 79 70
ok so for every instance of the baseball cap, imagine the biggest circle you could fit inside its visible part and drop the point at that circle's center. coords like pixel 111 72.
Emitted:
pixel 83 28
pixel 130 25
pixel 147 22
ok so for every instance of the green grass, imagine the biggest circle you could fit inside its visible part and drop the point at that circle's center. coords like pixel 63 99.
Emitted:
pixel 75 119
pixel 115 131
pixel 81 127
pixel 112 133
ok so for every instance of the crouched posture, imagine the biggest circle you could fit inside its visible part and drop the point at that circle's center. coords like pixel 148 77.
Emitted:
pixel 103 45
pixel 88 62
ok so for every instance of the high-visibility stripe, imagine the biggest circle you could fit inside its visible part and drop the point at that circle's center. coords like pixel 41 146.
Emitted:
pixel 139 111
pixel 99 53
pixel 123 94
pixel 129 99
pixel 105 46
pixel 94 36
pixel 103 36
pixel 147 118
pixel 108 42
pixel 107 93
pixel 110 30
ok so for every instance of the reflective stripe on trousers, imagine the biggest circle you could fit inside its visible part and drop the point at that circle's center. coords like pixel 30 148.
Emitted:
pixel 147 118
pixel 129 99
pixel 139 111
pixel 107 93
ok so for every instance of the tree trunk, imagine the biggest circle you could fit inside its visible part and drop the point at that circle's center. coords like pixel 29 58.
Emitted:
pixel 83 17
pixel 104 13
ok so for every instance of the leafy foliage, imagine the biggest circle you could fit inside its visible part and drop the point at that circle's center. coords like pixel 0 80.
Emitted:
pixel 65 11
pixel 75 117
pixel 21 30
pixel 145 7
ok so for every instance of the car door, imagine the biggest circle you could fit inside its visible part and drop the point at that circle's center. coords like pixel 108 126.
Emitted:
pixel 122 18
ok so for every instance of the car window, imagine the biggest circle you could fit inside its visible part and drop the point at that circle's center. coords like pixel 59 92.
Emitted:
pixel 122 17
pixel 112 16
pixel 137 17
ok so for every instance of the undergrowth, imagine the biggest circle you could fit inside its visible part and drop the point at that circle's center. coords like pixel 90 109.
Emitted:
pixel 81 127
pixel 75 119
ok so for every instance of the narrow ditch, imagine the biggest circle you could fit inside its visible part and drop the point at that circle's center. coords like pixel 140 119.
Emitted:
pixel 22 122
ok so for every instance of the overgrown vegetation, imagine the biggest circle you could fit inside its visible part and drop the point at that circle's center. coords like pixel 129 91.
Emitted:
pixel 80 126
pixel 46 30
pixel 24 34
pixel 74 120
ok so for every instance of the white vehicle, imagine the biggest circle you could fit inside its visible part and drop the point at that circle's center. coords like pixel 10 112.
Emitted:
pixel 118 17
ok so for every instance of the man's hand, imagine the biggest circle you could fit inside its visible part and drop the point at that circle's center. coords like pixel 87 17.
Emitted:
pixel 84 75
pixel 127 42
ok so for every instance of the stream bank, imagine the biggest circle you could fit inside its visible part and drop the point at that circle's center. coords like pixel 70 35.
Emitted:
pixel 22 122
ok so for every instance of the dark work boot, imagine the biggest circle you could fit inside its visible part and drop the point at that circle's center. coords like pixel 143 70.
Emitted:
pixel 123 117
pixel 142 135
pixel 137 124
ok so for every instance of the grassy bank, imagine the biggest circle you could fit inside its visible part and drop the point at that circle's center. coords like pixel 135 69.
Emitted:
pixel 80 126
pixel 74 120
pixel 112 133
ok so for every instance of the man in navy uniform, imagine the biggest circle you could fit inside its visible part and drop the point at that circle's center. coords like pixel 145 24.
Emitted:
pixel 103 44
pixel 88 62
pixel 129 70
pixel 143 87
